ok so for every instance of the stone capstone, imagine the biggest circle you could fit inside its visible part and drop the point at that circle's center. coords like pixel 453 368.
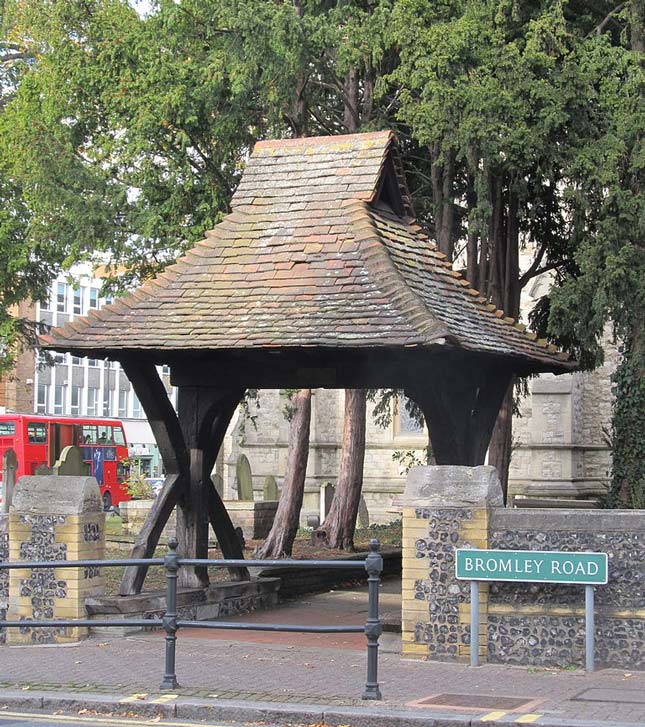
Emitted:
pixel 452 486
pixel 63 495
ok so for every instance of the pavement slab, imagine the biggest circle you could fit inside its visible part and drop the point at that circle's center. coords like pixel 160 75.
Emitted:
pixel 311 679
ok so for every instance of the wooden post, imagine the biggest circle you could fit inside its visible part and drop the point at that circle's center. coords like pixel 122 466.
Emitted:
pixel 188 445
pixel 164 424
pixel 204 415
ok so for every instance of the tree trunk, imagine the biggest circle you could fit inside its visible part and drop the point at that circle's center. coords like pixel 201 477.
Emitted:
pixel 471 245
pixel 279 542
pixel 500 449
pixel 350 111
pixel 338 529
pixel 446 236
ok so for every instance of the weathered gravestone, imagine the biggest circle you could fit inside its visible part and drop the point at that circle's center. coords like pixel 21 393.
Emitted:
pixel 244 478
pixel 270 490
pixel 71 463
pixel 328 495
pixel 363 514
pixel 9 469
pixel 219 484
pixel 54 518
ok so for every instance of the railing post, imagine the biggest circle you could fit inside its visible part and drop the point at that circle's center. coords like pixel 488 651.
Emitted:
pixel 373 628
pixel 171 563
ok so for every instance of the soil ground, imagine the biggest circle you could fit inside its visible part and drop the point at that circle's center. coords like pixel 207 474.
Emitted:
pixel 388 535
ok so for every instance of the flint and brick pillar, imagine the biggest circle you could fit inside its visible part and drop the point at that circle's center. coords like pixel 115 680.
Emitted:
pixel 54 518
pixel 444 508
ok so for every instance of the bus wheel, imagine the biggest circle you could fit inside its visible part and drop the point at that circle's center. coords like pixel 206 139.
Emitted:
pixel 107 501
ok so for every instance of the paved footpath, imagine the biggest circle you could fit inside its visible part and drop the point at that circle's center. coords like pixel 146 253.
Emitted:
pixel 306 679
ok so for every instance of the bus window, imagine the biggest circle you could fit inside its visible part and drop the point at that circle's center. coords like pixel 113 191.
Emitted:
pixel 119 439
pixel 8 429
pixel 36 433
pixel 105 435
pixel 89 434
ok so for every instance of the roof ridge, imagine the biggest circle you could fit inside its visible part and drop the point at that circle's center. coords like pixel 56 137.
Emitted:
pixel 379 261
pixel 320 140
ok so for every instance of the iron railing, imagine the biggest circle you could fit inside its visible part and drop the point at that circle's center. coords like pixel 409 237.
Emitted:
pixel 171 622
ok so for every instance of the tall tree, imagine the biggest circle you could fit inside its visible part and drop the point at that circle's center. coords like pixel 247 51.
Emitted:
pixel 337 531
pixel 501 96
pixel 279 541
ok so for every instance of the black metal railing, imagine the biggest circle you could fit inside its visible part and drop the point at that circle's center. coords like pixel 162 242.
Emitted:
pixel 171 622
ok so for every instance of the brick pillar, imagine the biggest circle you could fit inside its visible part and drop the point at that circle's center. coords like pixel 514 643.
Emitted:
pixel 54 518
pixel 444 508
pixel 4 574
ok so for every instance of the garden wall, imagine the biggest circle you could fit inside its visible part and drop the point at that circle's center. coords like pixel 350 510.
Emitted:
pixel 520 623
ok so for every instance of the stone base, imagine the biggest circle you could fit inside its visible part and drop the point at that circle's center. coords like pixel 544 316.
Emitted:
pixel 134 514
pixel 254 517
pixel 219 600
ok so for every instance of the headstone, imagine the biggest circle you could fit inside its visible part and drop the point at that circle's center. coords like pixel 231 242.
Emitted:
pixel 328 495
pixel 71 463
pixel 54 518
pixel 270 490
pixel 43 470
pixel 218 482
pixel 244 478
pixel 363 514
pixel 9 469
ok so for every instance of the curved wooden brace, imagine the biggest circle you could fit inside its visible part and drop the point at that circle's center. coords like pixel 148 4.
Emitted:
pixel 460 402
pixel 163 421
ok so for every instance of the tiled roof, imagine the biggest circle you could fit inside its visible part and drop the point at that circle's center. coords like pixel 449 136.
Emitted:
pixel 313 255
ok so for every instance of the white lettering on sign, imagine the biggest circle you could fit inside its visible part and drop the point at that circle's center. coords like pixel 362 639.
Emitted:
pixel 536 566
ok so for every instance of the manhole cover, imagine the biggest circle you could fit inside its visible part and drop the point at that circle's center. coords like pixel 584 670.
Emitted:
pixel 475 701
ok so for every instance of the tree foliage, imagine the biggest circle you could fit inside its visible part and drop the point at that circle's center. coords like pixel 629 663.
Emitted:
pixel 123 135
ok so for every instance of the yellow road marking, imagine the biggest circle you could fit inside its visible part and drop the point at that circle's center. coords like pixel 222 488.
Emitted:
pixel 528 718
pixel 491 716
pixel 164 698
pixel 94 719
pixel 134 698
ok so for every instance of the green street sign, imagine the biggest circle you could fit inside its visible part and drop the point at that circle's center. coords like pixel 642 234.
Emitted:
pixel 531 566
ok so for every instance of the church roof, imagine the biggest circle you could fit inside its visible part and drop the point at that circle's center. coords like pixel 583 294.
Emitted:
pixel 321 250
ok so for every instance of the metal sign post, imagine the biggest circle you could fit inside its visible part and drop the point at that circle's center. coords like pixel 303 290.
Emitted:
pixel 532 566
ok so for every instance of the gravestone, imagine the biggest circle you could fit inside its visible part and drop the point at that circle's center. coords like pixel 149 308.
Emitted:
pixel 328 495
pixel 71 463
pixel 363 514
pixel 43 469
pixel 54 518
pixel 244 478
pixel 9 469
pixel 270 490
pixel 218 482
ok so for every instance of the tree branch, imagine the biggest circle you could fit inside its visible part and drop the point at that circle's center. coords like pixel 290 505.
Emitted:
pixel 530 273
pixel 609 18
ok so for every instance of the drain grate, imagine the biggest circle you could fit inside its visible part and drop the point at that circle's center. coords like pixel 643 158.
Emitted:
pixel 475 701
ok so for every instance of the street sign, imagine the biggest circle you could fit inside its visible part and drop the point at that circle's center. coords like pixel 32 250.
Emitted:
pixel 531 566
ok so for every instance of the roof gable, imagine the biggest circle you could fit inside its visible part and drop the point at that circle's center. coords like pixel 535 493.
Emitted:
pixel 324 169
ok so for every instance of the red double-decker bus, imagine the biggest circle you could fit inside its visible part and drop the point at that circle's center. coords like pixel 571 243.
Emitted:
pixel 39 440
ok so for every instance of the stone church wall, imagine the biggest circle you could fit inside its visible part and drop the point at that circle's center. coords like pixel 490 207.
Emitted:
pixel 560 449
